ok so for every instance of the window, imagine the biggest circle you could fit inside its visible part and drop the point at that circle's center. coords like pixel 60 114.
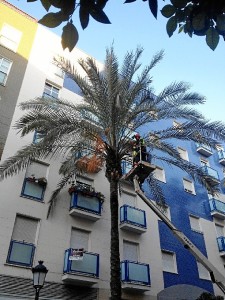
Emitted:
pixel 188 186
pixel 79 239
pixel 10 37
pixel 35 181
pixel 22 245
pixel 159 174
pixel 178 125
pixel 85 183
pixel 50 91
pixel 195 223
pixel 183 153
pixel 128 199
pixel 219 230
pixel 38 136
pixel 153 114
pixel 130 251
pixel 169 261
pixel 5 66
pixel 204 162
pixel 223 170
pixel 219 147
pixel 202 271
pixel 166 211
pixel 56 70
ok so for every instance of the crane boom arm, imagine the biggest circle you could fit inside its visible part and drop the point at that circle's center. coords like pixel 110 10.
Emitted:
pixel 216 277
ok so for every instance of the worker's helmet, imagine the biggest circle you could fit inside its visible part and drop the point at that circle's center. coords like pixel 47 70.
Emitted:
pixel 137 135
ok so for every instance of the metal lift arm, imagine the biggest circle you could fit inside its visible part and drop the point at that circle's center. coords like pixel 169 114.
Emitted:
pixel 216 276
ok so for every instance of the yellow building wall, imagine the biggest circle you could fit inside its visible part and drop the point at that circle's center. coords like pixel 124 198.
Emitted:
pixel 11 15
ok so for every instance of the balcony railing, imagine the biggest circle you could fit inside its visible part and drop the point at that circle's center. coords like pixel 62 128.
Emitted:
pixel 135 272
pixel 217 208
pixel 84 205
pixel 132 216
pixel 221 244
pixel 204 149
pixel 33 190
pixel 213 174
pixel 88 265
pixel 126 166
pixel 221 155
pixel 20 253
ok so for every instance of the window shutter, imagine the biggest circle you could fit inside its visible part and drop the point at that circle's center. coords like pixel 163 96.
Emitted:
pixel 159 174
pixel 188 185
pixel 85 180
pixel 195 223
pixel 128 199
pixel 79 239
pixel 25 229
pixel 10 37
pixel 183 153
pixel 130 251
pixel 168 261
pixel 37 169
pixel 219 230
pixel 202 271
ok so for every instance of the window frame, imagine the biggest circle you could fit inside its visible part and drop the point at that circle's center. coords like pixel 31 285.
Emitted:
pixel 191 192
pixel 15 239
pixel 201 267
pixel 136 245
pixel 26 180
pixel 204 162
pixel 49 95
pixel 163 179
pixel 12 262
pixel 199 229
pixel 2 58
pixel 8 38
pixel 173 255
pixel 184 151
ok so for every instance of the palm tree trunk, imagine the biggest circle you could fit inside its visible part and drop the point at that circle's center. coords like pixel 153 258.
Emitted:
pixel 115 282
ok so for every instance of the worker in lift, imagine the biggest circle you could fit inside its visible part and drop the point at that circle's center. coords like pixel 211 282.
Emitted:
pixel 139 149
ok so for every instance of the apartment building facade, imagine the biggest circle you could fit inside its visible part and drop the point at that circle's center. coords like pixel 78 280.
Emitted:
pixel 154 265
pixel 17 34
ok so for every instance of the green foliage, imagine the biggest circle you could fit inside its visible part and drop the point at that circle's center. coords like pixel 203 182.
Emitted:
pixel 69 36
pixel 198 17
pixel 208 296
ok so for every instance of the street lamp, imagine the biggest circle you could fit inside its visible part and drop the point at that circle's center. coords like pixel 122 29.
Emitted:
pixel 39 273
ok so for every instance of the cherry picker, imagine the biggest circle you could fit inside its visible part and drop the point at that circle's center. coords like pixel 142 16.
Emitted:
pixel 137 175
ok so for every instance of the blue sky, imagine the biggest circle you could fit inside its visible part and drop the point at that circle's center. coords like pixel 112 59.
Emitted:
pixel 187 59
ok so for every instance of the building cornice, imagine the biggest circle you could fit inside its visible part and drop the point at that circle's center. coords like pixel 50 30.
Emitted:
pixel 22 13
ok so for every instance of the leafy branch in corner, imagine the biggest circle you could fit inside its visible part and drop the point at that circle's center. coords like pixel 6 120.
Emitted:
pixel 196 17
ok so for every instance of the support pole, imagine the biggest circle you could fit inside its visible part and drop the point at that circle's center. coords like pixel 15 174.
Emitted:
pixel 216 277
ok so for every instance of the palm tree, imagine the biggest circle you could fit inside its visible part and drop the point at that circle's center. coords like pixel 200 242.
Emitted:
pixel 115 104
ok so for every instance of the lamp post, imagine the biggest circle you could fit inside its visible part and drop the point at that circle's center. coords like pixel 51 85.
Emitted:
pixel 39 274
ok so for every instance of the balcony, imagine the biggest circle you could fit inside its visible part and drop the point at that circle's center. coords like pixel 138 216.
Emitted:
pixel 33 189
pixel 20 253
pixel 85 206
pixel 126 166
pixel 132 219
pixel 217 208
pixel 135 276
pixel 83 271
pixel 221 155
pixel 221 245
pixel 212 175
pixel 204 149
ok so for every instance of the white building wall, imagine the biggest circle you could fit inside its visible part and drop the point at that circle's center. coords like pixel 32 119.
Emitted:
pixel 54 232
